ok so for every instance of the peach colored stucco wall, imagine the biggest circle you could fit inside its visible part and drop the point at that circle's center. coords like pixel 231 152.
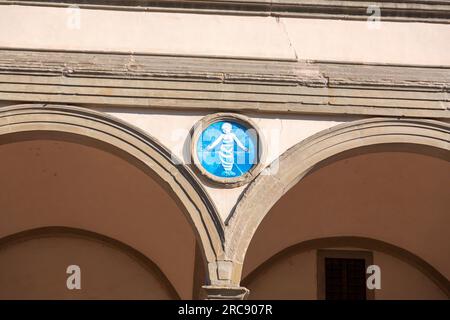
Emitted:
pixel 36 269
pixel 58 183
pixel 224 35
pixel 290 278
pixel 400 280
pixel 295 277
pixel 401 198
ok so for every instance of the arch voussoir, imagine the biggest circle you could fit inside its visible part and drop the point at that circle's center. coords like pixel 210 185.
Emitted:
pixel 286 171
pixel 177 179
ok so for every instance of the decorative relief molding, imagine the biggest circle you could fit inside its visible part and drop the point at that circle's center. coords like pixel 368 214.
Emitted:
pixel 188 83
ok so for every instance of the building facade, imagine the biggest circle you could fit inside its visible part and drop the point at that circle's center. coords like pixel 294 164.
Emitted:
pixel 224 149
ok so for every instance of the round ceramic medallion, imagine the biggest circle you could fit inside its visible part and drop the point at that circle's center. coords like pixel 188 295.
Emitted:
pixel 226 148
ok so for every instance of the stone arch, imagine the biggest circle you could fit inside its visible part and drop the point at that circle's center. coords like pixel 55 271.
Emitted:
pixel 362 243
pixel 177 179
pixel 69 232
pixel 284 173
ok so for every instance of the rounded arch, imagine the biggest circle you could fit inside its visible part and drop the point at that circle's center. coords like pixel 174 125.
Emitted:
pixel 260 196
pixel 358 242
pixel 177 179
pixel 58 231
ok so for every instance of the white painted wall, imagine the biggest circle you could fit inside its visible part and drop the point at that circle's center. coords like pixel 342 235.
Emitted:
pixel 224 35
pixel 172 129
pixel 146 32
pixel 361 41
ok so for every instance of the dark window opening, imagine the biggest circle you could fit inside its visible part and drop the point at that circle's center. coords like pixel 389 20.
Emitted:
pixel 345 279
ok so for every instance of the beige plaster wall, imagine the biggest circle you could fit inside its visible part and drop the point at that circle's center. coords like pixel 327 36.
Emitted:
pixel 224 35
pixel 47 182
pixel 294 276
pixel 402 281
pixel 386 193
pixel 35 268
pixel 390 42
pixel 149 32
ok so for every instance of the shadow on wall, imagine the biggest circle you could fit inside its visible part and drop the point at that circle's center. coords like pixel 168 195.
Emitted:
pixel 293 273
pixel 33 265
pixel 396 194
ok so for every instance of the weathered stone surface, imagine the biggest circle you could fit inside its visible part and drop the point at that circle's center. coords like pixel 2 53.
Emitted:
pixel 223 84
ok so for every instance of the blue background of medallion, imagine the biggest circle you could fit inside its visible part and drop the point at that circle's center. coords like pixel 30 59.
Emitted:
pixel 243 161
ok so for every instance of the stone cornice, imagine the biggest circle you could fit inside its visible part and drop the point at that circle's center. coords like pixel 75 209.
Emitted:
pixel 437 11
pixel 188 83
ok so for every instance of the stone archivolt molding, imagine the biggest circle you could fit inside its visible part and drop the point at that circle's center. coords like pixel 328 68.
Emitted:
pixel 177 179
pixel 224 245
pixel 263 192
pixel 434 11
pixel 219 84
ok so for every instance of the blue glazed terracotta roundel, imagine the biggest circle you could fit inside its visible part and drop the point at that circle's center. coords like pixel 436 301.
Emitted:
pixel 227 149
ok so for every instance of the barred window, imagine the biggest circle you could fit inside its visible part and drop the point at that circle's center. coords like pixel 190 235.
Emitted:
pixel 341 274
pixel 345 279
